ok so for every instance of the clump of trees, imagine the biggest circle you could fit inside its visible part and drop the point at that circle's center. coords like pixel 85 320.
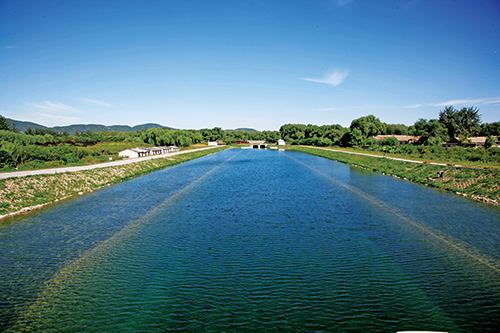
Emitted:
pixel 458 124
pixel 452 123
pixel 326 135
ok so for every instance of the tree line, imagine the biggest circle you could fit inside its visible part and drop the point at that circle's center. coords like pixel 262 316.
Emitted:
pixel 38 146
pixel 459 124
pixel 46 147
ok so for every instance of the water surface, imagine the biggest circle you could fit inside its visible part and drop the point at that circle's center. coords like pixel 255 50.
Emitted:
pixel 247 240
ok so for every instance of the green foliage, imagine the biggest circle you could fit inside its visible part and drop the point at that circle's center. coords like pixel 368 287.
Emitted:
pixel 5 126
pixel 354 138
pixel 460 123
pixel 490 129
pixel 312 134
pixel 39 147
pixel 368 126
pixel 432 131
pixel 396 129
pixel 490 142
pixel 391 141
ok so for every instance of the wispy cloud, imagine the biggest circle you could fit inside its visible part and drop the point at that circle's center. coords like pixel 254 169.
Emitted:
pixel 96 102
pixel 413 106
pixel 458 102
pixel 54 106
pixel 332 78
pixel 8 47
pixel 469 101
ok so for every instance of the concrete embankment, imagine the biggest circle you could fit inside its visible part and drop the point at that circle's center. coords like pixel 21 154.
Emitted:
pixel 32 190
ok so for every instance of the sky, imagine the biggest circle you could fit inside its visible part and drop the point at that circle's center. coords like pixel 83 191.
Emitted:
pixel 239 63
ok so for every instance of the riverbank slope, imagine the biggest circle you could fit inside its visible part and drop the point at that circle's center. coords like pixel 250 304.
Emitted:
pixel 474 183
pixel 22 195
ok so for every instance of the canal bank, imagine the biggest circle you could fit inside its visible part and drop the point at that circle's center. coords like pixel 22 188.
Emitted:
pixel 29 192
pixel 473 183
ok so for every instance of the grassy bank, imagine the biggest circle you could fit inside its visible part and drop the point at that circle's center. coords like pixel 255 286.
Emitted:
pixel 478 184
pixel 19 195
pixel 451 156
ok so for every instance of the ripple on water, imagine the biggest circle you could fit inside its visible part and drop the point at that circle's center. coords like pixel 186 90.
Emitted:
pixel 264 243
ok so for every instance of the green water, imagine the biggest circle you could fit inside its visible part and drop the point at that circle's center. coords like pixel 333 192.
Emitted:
pixel 248 240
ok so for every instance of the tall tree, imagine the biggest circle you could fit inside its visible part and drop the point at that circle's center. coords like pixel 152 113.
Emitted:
pixel 460 123
pixel 368 126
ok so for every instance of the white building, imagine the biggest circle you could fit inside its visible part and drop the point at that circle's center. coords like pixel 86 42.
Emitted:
pixel 212 143
pixel 281 142
pixel 134 152
pixel 142 152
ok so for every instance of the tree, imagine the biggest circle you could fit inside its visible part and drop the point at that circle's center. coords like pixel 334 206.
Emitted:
pixel 460 123
pixel 488 129
pixel 368 126
pixel 353 138
pixel 396 129
pixel 292 132
pixel 334 133
pixel 431 131
pixel 4 124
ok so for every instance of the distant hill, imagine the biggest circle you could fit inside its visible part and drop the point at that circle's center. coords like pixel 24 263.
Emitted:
pixel 72 129
pixel 24 125
pixel 244 129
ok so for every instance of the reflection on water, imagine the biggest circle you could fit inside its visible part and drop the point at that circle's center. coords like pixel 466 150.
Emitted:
pixel 254 240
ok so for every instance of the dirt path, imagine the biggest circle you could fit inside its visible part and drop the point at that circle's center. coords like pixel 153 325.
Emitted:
pixel 15 174
pixel 393 158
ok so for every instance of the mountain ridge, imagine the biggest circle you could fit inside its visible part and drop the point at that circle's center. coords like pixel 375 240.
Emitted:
pixel 73 128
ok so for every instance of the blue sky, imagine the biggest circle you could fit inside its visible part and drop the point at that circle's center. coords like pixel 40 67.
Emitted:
pixel 195 64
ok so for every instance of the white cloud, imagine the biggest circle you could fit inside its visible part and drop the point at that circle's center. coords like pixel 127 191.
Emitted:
pixel 54 106
pixel 333 78
pixel 469 101
pixel 95 102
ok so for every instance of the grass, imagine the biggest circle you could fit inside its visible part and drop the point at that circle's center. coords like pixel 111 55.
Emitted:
pixel 17 194
pixel 428 157
pixel 478 184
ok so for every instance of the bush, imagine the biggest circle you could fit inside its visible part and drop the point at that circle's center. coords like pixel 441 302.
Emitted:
pixel 391 141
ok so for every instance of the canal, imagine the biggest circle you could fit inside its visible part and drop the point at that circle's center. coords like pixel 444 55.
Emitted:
pixel 254 240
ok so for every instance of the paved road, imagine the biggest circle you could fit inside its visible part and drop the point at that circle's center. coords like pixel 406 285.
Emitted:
pixel 15 174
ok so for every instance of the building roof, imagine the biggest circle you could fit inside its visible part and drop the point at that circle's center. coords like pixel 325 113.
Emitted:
pixel 478 139
pixel 405 138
